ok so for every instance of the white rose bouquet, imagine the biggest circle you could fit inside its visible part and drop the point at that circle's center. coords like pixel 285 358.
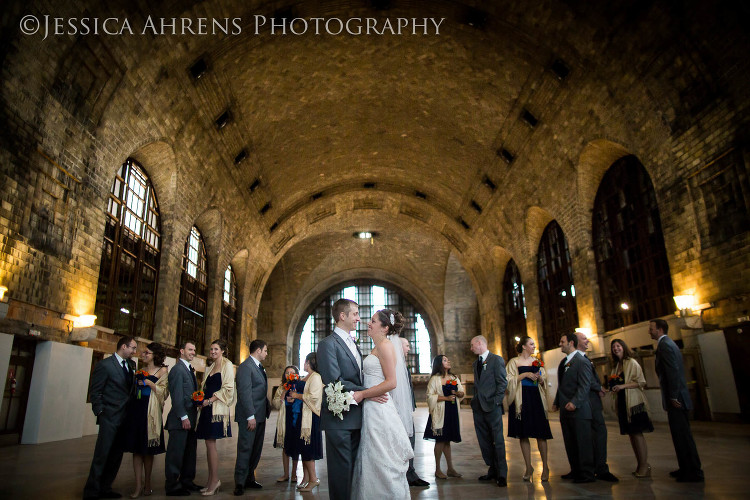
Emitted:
pixel 338 399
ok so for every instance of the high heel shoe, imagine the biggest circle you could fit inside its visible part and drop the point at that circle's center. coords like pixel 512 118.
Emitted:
pixel 545 475
pixel 439 474
pixel 282 479
pixel 209 493
pixel 302 485
pixel 137 494
pixel 647 474
pixel 527 477
pixel 453 473
pixel 309 486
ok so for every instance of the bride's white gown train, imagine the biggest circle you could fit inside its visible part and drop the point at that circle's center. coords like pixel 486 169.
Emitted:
pixel 384 447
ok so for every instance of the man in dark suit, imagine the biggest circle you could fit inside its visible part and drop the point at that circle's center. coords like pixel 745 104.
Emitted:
pixel 111 388
pixel 411 475
pixel 598 426
pixel 572 398
pixel 676 401
pixel 490 381
pixel 251 413
pixel 179 463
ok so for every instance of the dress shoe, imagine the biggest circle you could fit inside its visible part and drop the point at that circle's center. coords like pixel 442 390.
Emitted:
pixel 527 476
pixel 302 485
pixel 545 475
pixel 253 485
pixel 584 480
pixel 192 487
pixel 607 476
pixel 454 473
pixel 690 479
pixel 179 492
pixel 310 485
pixel 110 494
pixel 441 475
pixel 239 490
pixel 419 482
pixel 282 479
pixel 209 492
pixel 502 482
pixel 676 473
pixel 486 477
pixel 569 475
pixel 645 474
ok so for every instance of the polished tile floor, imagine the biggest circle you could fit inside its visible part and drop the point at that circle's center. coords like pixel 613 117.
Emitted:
pixel 59 470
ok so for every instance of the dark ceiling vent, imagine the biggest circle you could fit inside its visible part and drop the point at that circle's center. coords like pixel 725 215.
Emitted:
pixel 198 69
pixel 474 17
pixel 316 196
pixel 560 69
pixel 488 182
pixel 530 119
pixel 241 156
pixel 265 208
pixel 369 185
pixel 420 195
pixel 224 119
pixel 506 155
pixel 464 223
pixel 255 185
pixel 273 227
pixel 476 206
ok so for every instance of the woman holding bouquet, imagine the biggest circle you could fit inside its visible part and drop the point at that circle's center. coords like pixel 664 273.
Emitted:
pixel 444 393
pixel 526 402
pixel 285 424
pixel 626 384
pixel 310 433
pixel 145 432
pixel 213 420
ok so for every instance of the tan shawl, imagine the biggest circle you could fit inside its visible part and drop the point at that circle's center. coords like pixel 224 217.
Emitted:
pixel 225 396
pixel 437 408
pixel 155 412
pixel 278 403
pixel 313 398
pixel 513 392
pixel 635 400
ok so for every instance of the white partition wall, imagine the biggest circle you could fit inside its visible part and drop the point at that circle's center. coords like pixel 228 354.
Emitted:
pixel 58 393
pixel 6 346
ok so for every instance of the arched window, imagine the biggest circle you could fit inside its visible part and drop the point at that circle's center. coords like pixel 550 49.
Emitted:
pixel 191 321
pixel 370 299
pixel 631 260
pixel 129 270
pixel 229 313
pixel 515 308
pixel 557 294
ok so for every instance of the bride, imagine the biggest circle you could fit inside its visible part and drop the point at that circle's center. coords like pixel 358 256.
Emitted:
pixel 384 449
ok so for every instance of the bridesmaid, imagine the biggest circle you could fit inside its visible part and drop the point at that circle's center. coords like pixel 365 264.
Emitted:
pixel 279 403
pixel 444 393
pixel 213 421
pixel 146 433
pixel 626 384
pixel 526 400
pixel 310 433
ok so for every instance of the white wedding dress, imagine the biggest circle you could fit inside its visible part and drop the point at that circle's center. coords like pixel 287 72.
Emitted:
pixel 384 447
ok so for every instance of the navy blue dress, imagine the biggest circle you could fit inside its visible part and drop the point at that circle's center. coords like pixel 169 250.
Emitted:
pixel 136 426
pixel 533 423
pixel 206 428
pixel 293 444
pixel 451 428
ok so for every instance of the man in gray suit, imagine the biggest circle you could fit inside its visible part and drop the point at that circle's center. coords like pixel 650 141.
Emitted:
pixel 179 462
pixel 339 359
pixel 411 475
pixel 598 426
pixel 490 381
pixel 572 398
pixel 251 413
pixel 675 399
pixel 111 388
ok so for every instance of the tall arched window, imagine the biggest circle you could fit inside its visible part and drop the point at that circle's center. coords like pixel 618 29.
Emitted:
pixel 129 270
pixel 557 294
pixel 631 260
pixel 370 299
pixel 229 313
pixel 515 308
pixel 191 322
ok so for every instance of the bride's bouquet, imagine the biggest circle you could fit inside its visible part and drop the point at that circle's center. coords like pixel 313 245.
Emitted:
pixel 338 399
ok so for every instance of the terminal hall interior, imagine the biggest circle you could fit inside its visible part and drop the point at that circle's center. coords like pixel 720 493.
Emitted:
pixel 529 168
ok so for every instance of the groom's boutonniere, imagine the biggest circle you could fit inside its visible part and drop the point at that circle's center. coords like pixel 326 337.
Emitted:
pixel 567 365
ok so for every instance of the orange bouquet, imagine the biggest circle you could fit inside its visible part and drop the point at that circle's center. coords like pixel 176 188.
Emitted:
pixel 140 376
pixel 198 398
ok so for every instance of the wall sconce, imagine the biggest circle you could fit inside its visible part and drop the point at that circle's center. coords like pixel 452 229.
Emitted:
pixel 585 331
pixel 3 289
pixel 685 304
pixel 83 321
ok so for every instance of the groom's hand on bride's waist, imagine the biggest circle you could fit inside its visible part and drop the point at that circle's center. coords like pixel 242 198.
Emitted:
pixel 383 398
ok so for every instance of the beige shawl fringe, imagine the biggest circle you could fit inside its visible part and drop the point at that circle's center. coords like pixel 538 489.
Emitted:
pixel 155 411
pixel 313 399
pixel 278 404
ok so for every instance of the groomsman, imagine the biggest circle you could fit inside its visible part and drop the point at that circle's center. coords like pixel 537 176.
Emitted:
pixel 572 398
pixel 179 462
pixel 111 388
pixel 411 475
pixel 598 426
pixel 251 413
pixel 675 399
pixel 490 381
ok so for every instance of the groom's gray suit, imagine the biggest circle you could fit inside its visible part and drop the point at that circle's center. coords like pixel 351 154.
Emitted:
pixel 336 362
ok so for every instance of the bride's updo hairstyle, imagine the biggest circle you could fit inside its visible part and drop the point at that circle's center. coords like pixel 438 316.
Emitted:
pixel 395 327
